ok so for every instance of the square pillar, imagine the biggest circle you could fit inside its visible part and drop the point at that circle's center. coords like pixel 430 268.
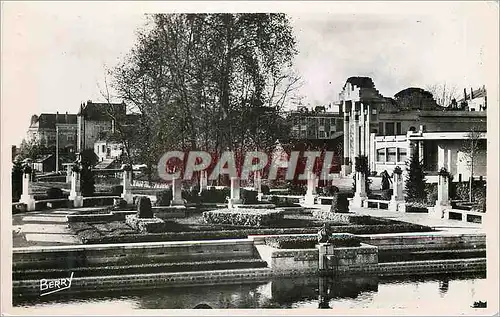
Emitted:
pixel 311 189
pixel 443 201
pixel 26 197
pixel 235 191
pixel 360 194
pixel 75 194
pixel 127 190
pixel 203 181
pixel 346 167
pixel 177 193
pixel 397 200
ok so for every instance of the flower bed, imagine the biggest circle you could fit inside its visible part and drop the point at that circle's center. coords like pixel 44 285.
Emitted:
pixel 338 240
pixel 243 217
pixel 121 233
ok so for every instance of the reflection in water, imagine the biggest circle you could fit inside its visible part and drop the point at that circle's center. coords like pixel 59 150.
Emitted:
pixel 297 292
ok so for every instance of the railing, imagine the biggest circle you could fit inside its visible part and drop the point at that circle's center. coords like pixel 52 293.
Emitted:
pixel 379 202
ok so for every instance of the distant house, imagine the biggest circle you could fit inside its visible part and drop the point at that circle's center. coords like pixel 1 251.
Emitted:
pixel 44 164
pixel 51 129
pixel 97 125
pixel 476 100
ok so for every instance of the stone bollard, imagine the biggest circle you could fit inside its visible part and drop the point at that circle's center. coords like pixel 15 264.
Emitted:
pixel 443 201
pixel 26 198
pixel 75 194
pixel 360 194
pixel 177 193
pixel 235 192
pixel 397 200
pixel 127 190
pixel 311 189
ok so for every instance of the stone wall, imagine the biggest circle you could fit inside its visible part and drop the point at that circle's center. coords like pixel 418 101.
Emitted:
pixel 289 261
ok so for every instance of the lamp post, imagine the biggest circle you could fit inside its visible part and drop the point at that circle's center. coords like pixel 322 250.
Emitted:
pixel 57 148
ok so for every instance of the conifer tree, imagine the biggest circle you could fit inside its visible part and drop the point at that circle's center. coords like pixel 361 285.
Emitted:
pixel 415 180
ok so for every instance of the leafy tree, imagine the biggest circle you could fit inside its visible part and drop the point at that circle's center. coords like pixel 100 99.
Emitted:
pixel 195 80
pixel 471 150
pixel 33 149
pixel 415 180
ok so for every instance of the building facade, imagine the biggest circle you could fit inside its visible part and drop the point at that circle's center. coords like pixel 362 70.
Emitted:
pixel 54 129
pixel 388 133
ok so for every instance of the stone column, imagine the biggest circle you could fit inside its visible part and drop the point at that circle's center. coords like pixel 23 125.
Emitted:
pixel 360 194
pixel 346 170
pixel 443 201
pixel 397 199
pixel 127 190
pixel 26 197
pixel 235 191
pixel 442 157
pixel 355 135
pixel 75 194
pixel 421 151
pixel 311 189
pixel 362 128
pixel 177 193
pixel 368 143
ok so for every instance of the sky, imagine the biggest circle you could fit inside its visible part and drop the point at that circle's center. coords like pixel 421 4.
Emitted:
pixel 54 56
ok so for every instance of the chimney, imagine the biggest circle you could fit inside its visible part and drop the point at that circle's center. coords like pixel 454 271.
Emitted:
pixel 471 94
pixel 465 94
pixel 57 116
pixel 66 117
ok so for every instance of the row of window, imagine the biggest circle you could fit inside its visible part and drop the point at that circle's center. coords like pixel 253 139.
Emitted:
pixel 303 134
pixel 391 155
pixel 321 128
pixel 389 128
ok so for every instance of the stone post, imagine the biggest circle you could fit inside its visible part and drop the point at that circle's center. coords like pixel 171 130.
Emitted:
pixel 443 201
pixel 397 199
pixel 75 194
pixel 235 192
pixel 311 189
pixel 360 194
pixel 26 198
pixel 362 129
pixel 203 181
pixel 177 193
pixel 127 190
pixel 257 181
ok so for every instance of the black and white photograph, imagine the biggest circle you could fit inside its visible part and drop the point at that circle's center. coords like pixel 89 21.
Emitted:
pixel 255 158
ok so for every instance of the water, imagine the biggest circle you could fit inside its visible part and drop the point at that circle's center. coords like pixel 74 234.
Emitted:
pixel 443 291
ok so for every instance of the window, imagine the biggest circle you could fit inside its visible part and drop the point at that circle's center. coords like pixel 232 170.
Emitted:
pixel 402 155
pixel 398 128
pixel 322 134
pixel 103 148
pixel 381 155
pixel 389 128
pixel 321 128
pixel 381 128
pixel 295 128
pixel 391 154
pixel 321 121
pixel 303 127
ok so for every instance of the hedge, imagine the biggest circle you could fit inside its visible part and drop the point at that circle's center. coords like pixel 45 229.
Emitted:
pixel 243 217
pixel 290 242
pixel 141 268
pixel 92 236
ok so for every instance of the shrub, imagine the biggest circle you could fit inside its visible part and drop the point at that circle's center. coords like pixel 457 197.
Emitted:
pixel 343 240
pixel 432 194
pixel 249 196
pixel 288 242
pixel 54 193
pixel 297 189
pixel 117 190
pixel 164 197
pixel 144 209
pixel 265 189
pixel 213 195
pixel 119 203
pixel 330 190
pixel 243 217
pixel 386 194
pixel 17 180
pixel 340 204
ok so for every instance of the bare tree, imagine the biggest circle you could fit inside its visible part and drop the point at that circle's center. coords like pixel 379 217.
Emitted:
pixel 444 94
pixel 471 150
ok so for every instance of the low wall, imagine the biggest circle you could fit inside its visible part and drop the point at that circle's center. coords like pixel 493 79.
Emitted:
pixel 115 254
pixel 348 260
pixel 432 267
pixel 145 281
pixel 431 240
pixel 299 260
